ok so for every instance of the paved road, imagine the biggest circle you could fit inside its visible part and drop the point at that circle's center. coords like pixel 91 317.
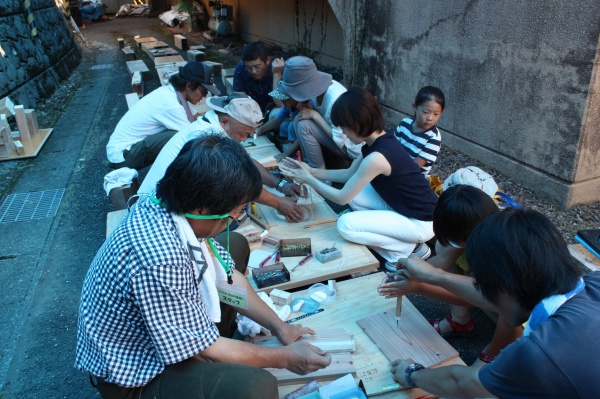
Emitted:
pixel 43 262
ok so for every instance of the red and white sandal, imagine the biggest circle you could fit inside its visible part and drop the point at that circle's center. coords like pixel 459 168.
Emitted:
pixel 458 330
pixel 484 357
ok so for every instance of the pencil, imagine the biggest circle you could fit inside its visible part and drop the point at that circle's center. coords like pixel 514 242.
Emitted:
pixel 258 221
pixel 321 222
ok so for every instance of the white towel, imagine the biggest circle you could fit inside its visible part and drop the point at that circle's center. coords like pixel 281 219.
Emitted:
pixel 118 178
pixel 207 269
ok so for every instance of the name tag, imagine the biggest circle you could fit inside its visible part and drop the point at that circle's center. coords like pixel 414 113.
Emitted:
pixel 232 295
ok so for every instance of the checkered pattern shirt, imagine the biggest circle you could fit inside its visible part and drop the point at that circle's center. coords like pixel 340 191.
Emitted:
pixel 140 306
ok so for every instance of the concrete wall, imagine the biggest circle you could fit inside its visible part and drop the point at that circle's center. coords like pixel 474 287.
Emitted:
pixel 33 67
pixel 308 25
pixel 520 79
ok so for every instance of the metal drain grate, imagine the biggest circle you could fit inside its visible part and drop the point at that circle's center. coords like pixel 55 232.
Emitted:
pixel 102 66
pixel 29 206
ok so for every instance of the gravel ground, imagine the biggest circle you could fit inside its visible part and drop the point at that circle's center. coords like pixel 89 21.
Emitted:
pixel 568 222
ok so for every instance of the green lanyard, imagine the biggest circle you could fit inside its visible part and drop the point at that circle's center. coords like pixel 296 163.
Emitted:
pixel 210 241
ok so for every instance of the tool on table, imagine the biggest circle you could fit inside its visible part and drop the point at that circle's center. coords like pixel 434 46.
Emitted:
pixel 258 221
pixel 303 261
pixel 304 316
pixel 398 310
pixel 268 258
pixel 248 144
pixel 321 222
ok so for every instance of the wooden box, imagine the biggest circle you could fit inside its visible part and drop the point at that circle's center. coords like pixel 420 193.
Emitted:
pixel 294 247
pixel 270 275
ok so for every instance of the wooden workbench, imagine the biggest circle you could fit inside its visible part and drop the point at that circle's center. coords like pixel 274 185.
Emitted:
pixel 356 299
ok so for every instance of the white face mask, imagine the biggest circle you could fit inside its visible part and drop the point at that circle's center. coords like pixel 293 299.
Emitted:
pixel 452 244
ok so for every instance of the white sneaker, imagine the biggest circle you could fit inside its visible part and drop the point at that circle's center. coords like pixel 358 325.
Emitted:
pixel 422 250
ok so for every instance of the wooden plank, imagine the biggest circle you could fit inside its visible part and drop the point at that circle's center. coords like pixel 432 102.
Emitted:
pixel 341 364
pixel 113 219
pixel 22 123
pixel 413 338
pixel 585 257
pixel 32 146
pixel 141 40
pixel 181 42
pixel 138 65
pixel 170 59
pixel 331 341
pixel 129 53
pixel 356 299
pixel 131 99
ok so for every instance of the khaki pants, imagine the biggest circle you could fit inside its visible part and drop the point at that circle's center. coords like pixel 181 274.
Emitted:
pixel 144 153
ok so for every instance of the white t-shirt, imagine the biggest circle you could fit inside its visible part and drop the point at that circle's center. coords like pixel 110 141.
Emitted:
pixel 331 95
pixel 154 113
pixel 170 151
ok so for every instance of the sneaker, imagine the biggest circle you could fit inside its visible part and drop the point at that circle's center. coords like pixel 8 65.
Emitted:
pixel 390 266
pixel 423 251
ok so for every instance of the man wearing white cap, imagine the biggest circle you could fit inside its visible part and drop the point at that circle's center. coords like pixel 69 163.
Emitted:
pixel 236 117
pixel 302 82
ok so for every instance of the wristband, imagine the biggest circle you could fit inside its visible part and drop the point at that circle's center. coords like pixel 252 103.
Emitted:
pixel 411 369
pixel 281 183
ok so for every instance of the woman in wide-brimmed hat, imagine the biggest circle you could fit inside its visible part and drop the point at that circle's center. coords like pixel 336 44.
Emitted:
pixel 302 82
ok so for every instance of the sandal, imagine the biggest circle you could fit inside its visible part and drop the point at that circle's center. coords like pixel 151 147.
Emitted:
pixel 458 330
pixel 484 357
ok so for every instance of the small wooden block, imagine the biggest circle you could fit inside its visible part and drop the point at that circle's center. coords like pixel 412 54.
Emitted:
pixel 295 247
pixel 19 147
pixel 22 122
pixel 131 99
pixel 7 107
pixel 216 67
pixel 228 82
pixel 140 40
pixel 162 52
pixel 32 122
pixel 195 56
pixel 280 297
pixel 199 48
pixel 137 84
pixel 129 53
pixel 181 42
pixel 138 65
pixel 4 122
pixel 121 42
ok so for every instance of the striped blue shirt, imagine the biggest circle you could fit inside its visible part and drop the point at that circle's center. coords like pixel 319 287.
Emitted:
pixel 425 145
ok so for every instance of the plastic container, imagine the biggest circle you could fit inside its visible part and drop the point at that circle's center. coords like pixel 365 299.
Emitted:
pixel 322 293
pixel 307 307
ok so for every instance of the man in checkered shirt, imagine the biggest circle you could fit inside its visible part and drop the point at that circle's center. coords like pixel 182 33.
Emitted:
pixel 144 329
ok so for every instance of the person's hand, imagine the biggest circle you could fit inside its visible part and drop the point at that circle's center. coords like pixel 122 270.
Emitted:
pixel 277 66
pixel 287 207
pixel 304 358
pixel 395 285
pixel 291 189
pixel 398 369
pixel 416 269
pixel 279 157
pixel 298 171
pixel 307 113
pixel 288 333
pixel 258 131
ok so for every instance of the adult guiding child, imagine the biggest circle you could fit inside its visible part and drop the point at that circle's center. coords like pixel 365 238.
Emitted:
pixel 522 266
pixel 151 122
pixel 149 310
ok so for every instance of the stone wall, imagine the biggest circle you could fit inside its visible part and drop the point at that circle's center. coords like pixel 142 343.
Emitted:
pixel 520 79
pixel 33 67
